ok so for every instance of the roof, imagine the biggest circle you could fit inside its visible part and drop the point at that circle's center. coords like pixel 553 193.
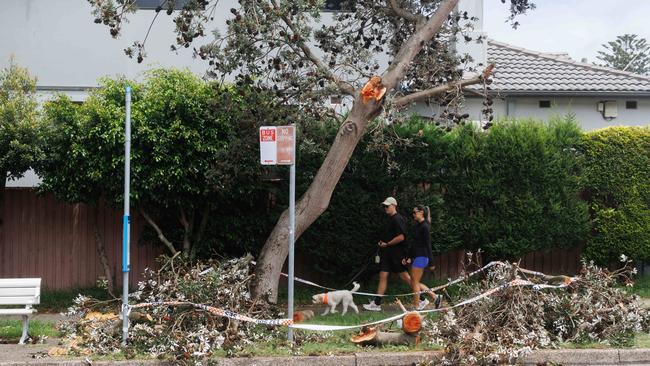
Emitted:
pixel 522 71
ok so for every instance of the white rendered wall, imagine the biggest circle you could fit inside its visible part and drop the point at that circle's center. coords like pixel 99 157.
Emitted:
pixel 584 109
pixel 59 43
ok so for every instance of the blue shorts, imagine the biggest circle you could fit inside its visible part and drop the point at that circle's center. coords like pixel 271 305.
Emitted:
pixel 420 262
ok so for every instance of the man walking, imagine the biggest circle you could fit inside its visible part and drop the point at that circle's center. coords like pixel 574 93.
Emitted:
pixel 393 251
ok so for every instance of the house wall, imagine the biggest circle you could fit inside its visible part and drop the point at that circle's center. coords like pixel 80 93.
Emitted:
pixel 584 109
pixel 59 43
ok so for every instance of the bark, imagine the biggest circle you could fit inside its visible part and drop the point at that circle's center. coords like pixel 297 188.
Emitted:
pixel 161 236
pixel 316 200
pixel 101 251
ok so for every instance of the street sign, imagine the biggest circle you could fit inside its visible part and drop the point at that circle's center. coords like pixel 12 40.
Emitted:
pixel 268 145
pixel 277 145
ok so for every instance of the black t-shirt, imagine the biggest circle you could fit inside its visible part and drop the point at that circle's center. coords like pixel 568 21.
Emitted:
pixel 421 241
pixel 395 227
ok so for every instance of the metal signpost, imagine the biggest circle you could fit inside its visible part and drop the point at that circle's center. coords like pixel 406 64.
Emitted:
pixel 278 147
pixel 126 261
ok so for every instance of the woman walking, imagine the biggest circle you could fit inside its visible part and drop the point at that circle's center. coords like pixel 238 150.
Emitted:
pixel 420 255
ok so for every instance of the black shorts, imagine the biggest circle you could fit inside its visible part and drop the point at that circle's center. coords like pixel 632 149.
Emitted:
pixel 391 261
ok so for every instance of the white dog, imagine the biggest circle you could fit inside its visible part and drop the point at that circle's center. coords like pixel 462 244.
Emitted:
pixel 331 299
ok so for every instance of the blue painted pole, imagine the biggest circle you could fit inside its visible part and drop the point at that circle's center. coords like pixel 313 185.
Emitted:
pixel 126 224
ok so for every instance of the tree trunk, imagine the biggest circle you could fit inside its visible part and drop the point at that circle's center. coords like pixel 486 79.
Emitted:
pixel 316 200
pixel 313 203
pixel 101 251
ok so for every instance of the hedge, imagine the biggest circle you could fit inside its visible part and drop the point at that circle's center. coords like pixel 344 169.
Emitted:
pixel 616 180
pixel 510 190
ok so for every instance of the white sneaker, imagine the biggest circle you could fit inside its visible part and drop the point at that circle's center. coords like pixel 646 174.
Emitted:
pixel 372 306
pixel 423 304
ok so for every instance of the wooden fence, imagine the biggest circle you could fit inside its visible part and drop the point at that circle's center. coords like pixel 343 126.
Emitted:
pixel 43 237
pixel 46 238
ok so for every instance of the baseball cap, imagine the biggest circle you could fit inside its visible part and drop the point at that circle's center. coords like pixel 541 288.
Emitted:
pixel 389 201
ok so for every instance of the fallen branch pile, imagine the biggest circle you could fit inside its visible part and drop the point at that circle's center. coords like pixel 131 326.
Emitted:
pixel 181 332
pixel 512 322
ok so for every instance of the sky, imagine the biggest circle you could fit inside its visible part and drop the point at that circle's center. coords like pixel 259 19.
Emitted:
pixel 577 27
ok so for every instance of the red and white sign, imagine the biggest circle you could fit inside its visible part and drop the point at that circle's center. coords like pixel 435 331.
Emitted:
pixel 277 145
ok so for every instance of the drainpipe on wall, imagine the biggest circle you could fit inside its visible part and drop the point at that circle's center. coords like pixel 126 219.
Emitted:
pixel 511 104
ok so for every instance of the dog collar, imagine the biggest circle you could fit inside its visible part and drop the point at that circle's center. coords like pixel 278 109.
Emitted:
pixel 325 299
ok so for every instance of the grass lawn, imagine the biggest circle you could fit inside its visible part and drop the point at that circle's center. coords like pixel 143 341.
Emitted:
pixel 335 343
pixel 11 330
pixel 641 286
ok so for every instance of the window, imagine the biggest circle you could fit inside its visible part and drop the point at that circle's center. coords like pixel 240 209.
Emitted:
pixel 545 104
pixel 153 4
pixel 630 104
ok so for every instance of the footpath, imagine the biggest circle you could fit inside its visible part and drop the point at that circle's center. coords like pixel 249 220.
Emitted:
pixel 9 356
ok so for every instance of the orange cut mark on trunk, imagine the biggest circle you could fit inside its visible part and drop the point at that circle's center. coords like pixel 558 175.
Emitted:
pixel 373 89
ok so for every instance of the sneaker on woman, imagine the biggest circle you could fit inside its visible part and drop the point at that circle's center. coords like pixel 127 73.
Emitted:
pixel 423 304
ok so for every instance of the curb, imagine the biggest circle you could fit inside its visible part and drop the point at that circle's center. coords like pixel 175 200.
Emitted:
pixel 577 357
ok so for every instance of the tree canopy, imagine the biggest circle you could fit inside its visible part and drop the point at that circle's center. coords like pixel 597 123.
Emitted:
pixel 19 147
pixel 177 139
pixel 628 52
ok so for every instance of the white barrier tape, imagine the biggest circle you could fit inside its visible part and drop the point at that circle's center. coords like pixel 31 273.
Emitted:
pixel 215 311
pixel 323 327
pixel 450 283
pixel 433 289
pixel 513 283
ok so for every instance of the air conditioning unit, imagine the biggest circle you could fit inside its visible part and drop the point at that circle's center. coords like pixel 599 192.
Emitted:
pixel 608 108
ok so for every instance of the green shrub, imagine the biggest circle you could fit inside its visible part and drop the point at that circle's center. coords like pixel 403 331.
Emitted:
pixel 616 182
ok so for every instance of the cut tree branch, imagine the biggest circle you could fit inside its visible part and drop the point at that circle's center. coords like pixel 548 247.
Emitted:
pixel 344 86
pixel 161 236
pixel 403 13
pixel 441 89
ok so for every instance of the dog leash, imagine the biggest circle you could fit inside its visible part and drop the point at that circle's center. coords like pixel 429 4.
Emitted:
pixel 368 261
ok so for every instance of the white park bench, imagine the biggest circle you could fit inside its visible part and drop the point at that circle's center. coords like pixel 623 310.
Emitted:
pixel 20 291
